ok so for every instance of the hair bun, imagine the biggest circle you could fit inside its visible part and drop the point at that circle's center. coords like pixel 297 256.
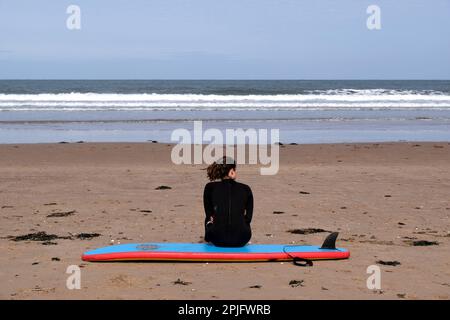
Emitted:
pixel 220 168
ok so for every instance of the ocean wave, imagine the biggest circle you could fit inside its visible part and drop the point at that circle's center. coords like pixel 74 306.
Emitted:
pixel 347 94
pixel 327 99
pixel 360 92
pixel 223 120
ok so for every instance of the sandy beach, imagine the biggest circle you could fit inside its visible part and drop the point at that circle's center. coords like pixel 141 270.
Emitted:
pixel 389 201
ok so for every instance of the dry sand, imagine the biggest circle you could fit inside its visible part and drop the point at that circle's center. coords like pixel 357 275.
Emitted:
pixel 379 196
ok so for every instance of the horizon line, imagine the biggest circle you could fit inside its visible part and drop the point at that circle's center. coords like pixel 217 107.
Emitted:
pixel 210 79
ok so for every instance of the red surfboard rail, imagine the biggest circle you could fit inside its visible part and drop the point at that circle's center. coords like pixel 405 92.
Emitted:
pixel 207 256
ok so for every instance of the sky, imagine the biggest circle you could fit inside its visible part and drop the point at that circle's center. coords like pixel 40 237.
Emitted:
pixel 225 39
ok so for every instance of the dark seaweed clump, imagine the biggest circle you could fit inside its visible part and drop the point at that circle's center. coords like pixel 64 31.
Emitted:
pixel 307 231
pixel 61 214
pixel 389 263
pixel 296 283
pixel 420 243
pixel 37 236
pixel 163 188
pixel 85 236
pixel 47 238
pixel 181 282
pixel 49 243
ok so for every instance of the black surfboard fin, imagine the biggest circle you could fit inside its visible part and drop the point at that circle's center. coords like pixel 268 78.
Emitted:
pixel 330 241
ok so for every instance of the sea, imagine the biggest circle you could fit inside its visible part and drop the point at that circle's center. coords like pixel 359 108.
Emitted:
pixel 320 111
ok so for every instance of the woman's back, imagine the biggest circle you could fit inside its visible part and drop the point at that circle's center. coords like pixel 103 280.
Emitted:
pixel 230 205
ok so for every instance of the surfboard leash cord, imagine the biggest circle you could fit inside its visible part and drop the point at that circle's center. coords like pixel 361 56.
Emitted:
pixel 300 262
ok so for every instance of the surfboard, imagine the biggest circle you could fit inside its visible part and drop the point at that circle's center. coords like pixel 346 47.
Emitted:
pixel 203 252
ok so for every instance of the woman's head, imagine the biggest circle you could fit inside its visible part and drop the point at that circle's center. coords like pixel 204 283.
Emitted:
pixel 223 168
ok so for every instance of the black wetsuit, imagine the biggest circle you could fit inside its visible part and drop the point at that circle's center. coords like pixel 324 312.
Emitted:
pixel 230 203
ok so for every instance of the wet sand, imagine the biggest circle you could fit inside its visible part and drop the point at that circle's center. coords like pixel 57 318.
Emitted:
pixel 390 202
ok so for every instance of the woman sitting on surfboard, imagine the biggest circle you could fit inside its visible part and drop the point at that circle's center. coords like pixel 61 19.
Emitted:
pixel 228 206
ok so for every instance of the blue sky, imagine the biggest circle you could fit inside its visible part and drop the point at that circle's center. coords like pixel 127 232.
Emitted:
pixel 218 39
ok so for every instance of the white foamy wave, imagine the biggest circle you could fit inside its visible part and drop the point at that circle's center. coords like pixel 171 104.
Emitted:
pixel 330 99
pixel 360 92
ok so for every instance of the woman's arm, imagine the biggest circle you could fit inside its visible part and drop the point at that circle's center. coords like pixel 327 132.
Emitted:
pixel 249 207
pixel 207 204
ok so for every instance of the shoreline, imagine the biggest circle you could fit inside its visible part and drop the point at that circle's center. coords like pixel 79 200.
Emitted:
pixel 281 143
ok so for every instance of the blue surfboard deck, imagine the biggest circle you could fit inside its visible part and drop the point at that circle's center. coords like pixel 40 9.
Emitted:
pixel 209 252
